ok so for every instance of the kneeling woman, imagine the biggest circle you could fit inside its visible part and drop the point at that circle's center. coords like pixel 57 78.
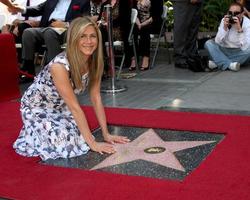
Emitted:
pixel 54 125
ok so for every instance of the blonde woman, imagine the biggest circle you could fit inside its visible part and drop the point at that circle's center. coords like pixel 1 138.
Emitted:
pixel 54 124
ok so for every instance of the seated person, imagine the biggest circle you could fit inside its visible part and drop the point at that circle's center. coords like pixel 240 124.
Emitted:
pixel 121 12
pixel 17 23
pixel 95 8
pixel 56 16
pixel 231 47
pixel 148 21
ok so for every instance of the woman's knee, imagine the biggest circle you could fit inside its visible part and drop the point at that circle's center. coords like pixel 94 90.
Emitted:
pixel 209 43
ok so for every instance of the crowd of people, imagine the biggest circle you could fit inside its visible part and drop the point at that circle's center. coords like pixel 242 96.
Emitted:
pixel 54 124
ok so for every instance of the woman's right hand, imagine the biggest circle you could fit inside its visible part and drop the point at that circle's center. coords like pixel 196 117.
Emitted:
pixel 102 147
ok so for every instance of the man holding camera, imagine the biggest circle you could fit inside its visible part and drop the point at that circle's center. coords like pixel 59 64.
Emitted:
pixel 231 47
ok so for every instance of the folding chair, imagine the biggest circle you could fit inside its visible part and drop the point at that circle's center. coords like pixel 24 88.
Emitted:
pixel 161 34
pixel 120 44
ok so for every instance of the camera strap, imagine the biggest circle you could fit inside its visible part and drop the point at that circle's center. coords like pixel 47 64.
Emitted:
pixel 241 22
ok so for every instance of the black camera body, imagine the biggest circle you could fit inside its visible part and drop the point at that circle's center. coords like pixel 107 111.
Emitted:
pixel 231 19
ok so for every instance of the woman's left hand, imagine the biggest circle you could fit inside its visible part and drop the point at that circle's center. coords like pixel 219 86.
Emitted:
pixel 116 139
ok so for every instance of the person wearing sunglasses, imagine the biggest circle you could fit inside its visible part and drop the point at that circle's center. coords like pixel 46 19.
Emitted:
pixel 231 47
pixel 246 6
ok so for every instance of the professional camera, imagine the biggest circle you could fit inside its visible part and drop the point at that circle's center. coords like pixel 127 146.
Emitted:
pixel 231 18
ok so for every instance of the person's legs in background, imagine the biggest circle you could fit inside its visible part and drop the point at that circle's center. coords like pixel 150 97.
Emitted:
pixel 53 42
pixel 217 55
pixel 32 37
pixel 227 58
pixel 181 21
pixel 144 47
pixel 18 37
pixel 193 29
pixel 186 26
pixel 240 56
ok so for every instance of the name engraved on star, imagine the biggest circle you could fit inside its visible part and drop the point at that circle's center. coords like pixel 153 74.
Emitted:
pixel 154 150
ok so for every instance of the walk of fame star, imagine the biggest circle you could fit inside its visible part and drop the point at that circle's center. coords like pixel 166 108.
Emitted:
pixel 150 147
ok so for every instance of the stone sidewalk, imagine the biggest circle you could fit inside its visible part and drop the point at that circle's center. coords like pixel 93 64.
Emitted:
pixel 167 87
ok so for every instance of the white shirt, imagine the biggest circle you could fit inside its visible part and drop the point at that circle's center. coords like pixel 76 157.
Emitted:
pixel 231 38
pixel 60 10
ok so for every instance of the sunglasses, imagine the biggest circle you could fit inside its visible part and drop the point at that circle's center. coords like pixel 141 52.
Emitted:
pixel 234 13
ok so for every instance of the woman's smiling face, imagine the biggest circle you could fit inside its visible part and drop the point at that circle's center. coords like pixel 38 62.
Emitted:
pixel 88 41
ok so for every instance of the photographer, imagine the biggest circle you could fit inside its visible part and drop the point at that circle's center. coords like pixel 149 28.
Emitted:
pixel 231 47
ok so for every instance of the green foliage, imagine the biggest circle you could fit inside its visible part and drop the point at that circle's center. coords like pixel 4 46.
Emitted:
pixel 170 15
pixel 212 13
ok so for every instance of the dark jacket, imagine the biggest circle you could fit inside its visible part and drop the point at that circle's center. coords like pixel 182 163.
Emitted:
pixel 77 8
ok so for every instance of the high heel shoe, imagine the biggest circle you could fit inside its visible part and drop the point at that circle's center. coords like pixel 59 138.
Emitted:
pixel 132 68
pixel 145 63
pixel 144 68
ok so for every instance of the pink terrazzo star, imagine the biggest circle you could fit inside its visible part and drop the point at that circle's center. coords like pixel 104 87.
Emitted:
pixel 157 151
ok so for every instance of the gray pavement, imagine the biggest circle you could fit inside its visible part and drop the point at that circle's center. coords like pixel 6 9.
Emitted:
pixel 169 88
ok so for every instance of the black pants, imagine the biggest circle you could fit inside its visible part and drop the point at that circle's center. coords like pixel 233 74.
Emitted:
pixel 187 19
pixel 143 43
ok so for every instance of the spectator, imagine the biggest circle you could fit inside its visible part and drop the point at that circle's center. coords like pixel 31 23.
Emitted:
pixel 55 126
pixel 148 21
pixel 17 23
pixel 56 15
pixel 121 12
pixel 187 17
pixel 95 8
pixel 231 47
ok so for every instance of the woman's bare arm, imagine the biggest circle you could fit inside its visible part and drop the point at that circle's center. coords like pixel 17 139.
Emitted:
pixel 63 84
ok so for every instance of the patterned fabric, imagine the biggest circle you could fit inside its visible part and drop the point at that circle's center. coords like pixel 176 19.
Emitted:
pixel 144 10
pixel 49 129
pixel 115 15
pixel 95 9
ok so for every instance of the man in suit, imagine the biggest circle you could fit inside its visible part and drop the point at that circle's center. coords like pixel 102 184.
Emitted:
pixel 56 16
pixel 187 17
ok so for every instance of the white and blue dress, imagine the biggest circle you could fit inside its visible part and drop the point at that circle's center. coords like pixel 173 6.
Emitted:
pixel 49 129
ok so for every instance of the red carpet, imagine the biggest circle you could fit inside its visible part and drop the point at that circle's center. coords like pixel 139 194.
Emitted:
pixel 223 175
pixel 9 88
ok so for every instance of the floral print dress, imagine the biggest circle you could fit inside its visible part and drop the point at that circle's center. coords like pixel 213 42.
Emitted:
pixel 49 129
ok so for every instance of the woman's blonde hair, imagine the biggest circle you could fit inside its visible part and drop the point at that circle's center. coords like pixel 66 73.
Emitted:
pixel 75 57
